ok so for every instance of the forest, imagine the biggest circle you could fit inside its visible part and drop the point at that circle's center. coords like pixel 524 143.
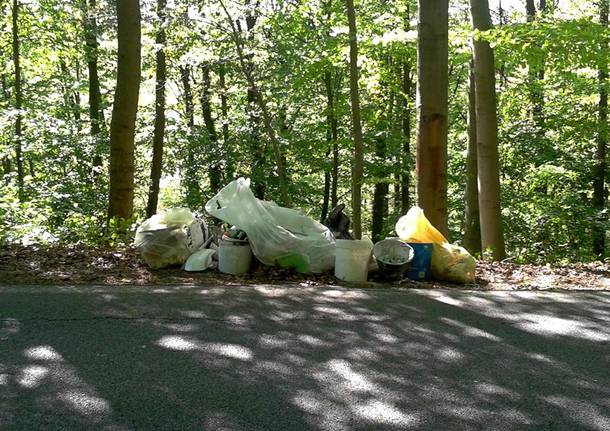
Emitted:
pixel 492 116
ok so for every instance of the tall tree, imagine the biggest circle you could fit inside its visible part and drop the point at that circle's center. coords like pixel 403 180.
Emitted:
pixel 18 103
pixel 432 110
pixel 332 134
pixel 206 109
pixel 407 112
pixel 599 175
pixel 159 132
pixel 124 111
pixel 472 226
pixel 358 162
pixel 193 192
pixel 492 239
pixel 96 113
pixel 536 73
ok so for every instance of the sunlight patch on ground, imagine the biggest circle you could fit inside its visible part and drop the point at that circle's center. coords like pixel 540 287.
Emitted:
pixel 175 342
pixel 381 412
pixel 544 325
pixel 3 379
pixel 179 343
pixel 32 376
pixel 85 404
pixel 587 414
pixel 229 350
pixel 352 380
pixel 42 353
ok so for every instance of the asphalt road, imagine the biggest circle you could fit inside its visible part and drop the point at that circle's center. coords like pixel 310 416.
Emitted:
pixel 299 358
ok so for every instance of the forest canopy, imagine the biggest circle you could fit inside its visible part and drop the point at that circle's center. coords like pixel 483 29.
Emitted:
pixel 263 89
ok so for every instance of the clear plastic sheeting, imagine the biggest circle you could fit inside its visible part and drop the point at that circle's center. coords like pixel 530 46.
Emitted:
pixel 278 236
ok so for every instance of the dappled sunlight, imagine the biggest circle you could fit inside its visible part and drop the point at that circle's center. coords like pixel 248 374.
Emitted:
pixel 326 359
pixel 179 343
pixel 8 327
pixel 173 342
pixel 32 376
pixel 42 353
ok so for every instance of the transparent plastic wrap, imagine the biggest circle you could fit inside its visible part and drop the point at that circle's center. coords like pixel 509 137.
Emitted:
pixel 278 236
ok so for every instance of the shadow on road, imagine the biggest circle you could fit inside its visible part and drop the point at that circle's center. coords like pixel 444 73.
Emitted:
pixel 271 358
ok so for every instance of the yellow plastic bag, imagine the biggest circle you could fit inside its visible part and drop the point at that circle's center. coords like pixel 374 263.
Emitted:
pixel 449 262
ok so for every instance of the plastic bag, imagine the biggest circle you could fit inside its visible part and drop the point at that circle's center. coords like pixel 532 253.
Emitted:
pixel 169 238
pixel 449 262
pixel 278 236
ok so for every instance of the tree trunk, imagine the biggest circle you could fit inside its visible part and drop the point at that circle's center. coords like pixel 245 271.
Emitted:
pixel 334 199
pixel 225 123
pixel 599 175
pixel 472 226
pixel 159 132
pixel 536 76
pixel 492 239
pixel 193 193
pixel 405 159
pixel 96 115
pixel 18 103
pixel 358 162
pixel 331 171
pixel 124 111
pixel 206 109
pixel 432 111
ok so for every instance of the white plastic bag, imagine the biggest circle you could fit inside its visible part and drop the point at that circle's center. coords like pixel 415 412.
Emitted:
pixel 168 238
pixel 278 236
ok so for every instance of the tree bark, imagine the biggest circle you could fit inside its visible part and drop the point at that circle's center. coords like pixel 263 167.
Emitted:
pixel 159 132
pixel 599 174
pixel 206 109
pixel 405 159
pixel 18 103
pixel 224 109
pixel 432 111
pixel 358 162
pixel 536 75
pixel 193 192
pixel 124 111
pixel 492 239
pixel 96 114
pixel 472 226
pixel 332 170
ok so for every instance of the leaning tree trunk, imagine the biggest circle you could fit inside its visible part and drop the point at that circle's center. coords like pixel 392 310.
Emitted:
pixel 432 110
pixel 358 163
pixel 18 104
pixel 96 115
pixel 159 132
pixel 472 226
pixel 124 111
pixel 262 105
pixel 599 175
pixel 492 239
pixel 224 109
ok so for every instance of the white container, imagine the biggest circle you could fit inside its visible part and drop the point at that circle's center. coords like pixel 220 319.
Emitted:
pixel 352 260
pixel 234 256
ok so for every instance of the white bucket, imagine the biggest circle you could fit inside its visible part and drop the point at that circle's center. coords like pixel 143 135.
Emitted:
pixel 352 260
pixel 234 256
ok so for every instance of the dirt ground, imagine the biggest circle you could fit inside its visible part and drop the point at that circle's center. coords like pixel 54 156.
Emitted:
pixel 84 265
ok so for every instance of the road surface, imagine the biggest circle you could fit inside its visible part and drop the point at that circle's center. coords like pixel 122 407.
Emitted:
pixel 302 358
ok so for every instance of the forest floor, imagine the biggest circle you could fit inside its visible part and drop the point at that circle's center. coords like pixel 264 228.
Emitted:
pixel 93 266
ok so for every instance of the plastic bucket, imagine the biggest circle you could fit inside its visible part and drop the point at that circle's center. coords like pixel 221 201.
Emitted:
pixel 419 268
pixel 234 256
pixel 393 257
pixel 352 260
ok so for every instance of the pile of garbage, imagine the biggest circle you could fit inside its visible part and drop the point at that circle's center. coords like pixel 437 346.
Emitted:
pixel 286 238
